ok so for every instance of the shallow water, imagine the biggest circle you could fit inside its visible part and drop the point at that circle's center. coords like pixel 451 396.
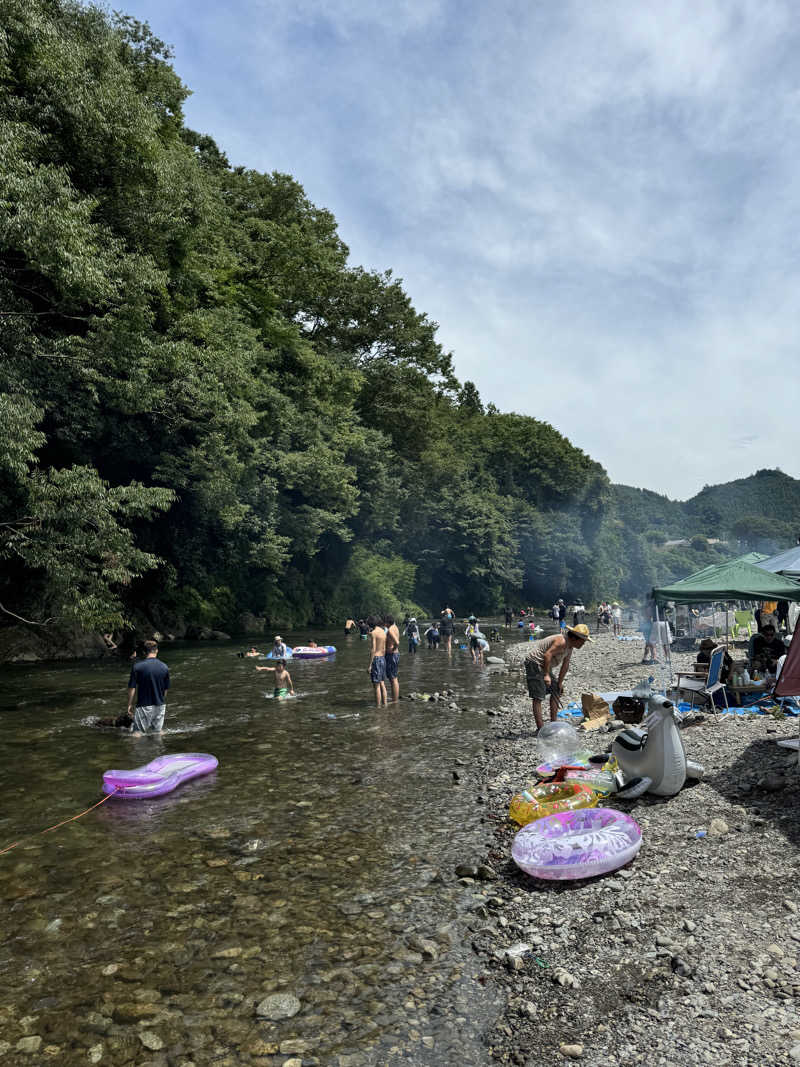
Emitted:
pixel 307 864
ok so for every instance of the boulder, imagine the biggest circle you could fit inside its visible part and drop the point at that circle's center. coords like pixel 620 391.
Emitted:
pixel 248 623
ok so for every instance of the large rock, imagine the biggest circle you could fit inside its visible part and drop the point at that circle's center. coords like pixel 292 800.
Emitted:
pixel 248 623
pixel 21 644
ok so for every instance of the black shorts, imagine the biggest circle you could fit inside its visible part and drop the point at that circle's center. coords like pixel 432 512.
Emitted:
pixel 537 688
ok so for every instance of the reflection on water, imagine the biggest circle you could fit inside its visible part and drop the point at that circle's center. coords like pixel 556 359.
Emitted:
pixel 307 864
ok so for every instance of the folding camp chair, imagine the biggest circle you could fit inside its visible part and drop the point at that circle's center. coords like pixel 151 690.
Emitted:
pixel 707 685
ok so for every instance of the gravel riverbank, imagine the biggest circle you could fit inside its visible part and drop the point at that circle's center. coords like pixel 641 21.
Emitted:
pixel 688 956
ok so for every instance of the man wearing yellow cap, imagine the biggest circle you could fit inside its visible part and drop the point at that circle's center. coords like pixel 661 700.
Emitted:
pixel 545 656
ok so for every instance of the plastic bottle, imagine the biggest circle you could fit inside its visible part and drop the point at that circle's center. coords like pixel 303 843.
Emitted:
pixel 745 677
pixel 643 690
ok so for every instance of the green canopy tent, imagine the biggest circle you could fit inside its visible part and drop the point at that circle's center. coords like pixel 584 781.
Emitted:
pixel 748 557
pixel 735 580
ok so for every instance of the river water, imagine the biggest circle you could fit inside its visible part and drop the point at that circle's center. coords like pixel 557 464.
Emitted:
pixel 316 862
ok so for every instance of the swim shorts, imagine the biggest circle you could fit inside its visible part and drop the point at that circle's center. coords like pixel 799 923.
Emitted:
pixel 149 718
pixel 537 689
pixel 392 663
pixel 377 669
pixel 280 692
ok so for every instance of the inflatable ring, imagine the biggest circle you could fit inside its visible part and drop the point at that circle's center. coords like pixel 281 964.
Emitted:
pixel 577 844
pixel 551 799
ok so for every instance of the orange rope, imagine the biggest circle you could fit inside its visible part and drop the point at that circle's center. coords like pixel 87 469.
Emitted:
pixel 64 822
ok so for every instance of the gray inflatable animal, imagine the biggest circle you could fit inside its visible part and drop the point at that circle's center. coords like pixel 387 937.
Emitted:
pixel 653 759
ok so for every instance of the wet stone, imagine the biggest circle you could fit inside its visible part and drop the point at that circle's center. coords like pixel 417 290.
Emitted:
pixel 151 1041
pixel 278 1006
pixel 29 1044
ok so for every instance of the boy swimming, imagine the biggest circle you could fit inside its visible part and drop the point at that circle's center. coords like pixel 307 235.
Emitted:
pixel 283 680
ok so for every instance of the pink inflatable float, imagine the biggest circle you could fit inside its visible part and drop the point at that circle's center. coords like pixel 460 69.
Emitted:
pixel 159 776
pixel 577 844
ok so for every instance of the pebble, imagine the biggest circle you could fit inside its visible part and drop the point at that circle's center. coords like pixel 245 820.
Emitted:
pixel 151 1041
pixel 718 828
pixel 278 1006
pixel 572 1052
pixel 794 1053
pixel 29 1044
pixel 294 1047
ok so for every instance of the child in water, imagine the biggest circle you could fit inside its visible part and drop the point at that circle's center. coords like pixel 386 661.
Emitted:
pixel 283 680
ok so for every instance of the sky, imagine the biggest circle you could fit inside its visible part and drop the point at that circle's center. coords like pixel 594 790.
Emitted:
pixel 598 203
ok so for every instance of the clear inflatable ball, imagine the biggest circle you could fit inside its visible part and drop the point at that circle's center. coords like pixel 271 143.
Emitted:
pixel 557 742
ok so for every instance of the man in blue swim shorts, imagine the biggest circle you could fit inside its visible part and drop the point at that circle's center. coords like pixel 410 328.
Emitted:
pixel 377 659
pixel 392 657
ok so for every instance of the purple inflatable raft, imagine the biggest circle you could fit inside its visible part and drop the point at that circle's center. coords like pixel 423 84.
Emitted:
pixel 159 776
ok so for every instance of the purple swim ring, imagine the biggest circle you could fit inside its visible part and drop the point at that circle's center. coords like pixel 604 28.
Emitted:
pixel 159 776
pixel 577 844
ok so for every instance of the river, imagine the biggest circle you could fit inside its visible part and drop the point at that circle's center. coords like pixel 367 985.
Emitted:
pixel 317 862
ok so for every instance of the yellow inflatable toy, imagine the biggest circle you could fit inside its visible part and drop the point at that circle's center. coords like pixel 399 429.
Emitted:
pixel 551 800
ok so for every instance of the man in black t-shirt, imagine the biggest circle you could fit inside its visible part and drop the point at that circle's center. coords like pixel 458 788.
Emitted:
pixel 147 687
pixel 767 650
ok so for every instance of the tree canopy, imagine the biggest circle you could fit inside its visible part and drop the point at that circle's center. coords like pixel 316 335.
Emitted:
pixel 206 408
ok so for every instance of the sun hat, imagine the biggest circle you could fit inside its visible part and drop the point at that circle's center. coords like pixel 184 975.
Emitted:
pixel 708 642
pixel 581 630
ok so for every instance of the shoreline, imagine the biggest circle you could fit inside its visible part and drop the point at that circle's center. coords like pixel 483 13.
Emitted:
pixel 690 954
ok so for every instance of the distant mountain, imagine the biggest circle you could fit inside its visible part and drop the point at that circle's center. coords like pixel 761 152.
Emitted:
pixel 761 513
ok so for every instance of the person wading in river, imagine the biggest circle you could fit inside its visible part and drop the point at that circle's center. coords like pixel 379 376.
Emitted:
pixel 392 656
pixel 541 662
pixel 147 688
pixel 377 659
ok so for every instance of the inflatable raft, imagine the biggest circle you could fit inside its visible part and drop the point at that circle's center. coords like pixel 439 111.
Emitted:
pixel 289 654
pixel 313 651
pixel 159 776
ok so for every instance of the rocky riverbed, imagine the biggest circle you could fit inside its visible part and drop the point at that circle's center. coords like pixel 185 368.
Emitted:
pixel 689 955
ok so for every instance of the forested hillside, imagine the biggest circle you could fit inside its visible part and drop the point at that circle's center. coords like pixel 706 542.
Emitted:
pixel 206 408
pixel 760 513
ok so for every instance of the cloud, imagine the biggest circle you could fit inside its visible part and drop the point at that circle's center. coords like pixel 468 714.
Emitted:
pixel 597 202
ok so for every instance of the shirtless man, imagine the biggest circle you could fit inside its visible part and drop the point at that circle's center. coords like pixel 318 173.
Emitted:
pixel 392 655
pixel 377 659
pixel 541 663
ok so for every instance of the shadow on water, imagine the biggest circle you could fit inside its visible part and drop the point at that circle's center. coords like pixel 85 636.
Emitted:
pixel 316 861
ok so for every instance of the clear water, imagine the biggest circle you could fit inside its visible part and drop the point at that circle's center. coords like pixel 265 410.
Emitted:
pixel 307 864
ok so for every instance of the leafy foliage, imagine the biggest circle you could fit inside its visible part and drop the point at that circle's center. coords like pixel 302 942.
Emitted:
pixel 205 408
